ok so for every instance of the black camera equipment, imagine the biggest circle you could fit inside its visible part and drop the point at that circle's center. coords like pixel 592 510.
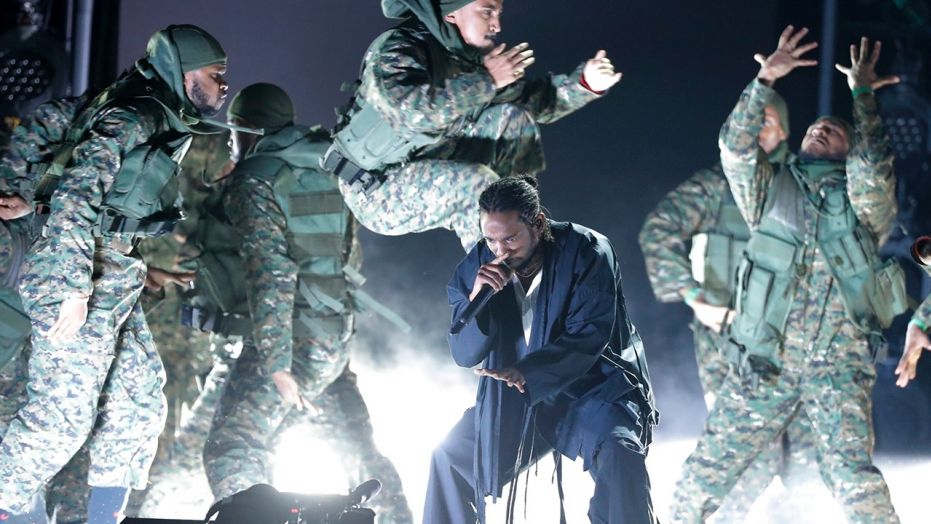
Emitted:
pixel 263 504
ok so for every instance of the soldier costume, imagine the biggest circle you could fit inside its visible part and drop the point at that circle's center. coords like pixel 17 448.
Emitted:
pixel 701 214
pixel 31 149
pixel 812 293
pixel 427 121
pixel 275 269
pixel 101 206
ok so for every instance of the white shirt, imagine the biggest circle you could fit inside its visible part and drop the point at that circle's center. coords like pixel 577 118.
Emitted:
pixel 527 301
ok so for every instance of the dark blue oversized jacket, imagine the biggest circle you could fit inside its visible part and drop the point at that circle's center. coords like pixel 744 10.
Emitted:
pixel 584 365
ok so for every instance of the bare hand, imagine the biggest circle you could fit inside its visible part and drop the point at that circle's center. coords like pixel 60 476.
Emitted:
pixel 862 70
pixel 506 66
pixel 13 207
pixel 712 317
pixel 512 376
pixel 492 274
pixel 156 278
pixel 290 392
pixel 916 341
pixel 786 57
pixel 599 72
pixel 72 314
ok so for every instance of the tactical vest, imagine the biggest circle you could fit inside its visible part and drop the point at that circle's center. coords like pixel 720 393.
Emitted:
pixel 144 199
pixel 872 290
pixel 15 326
pixel 365 143
pixel 724 247
pixel 319 235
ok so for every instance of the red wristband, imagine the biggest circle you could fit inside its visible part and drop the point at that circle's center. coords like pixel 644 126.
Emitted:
pixel 584 84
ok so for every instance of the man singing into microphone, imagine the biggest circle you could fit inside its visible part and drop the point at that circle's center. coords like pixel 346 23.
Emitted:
pixel 562 366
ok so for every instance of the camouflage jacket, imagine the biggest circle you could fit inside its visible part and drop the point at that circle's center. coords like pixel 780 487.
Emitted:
pixel 817 308
pixel 33 144
pixel 923 312
pixel 69 242
pixel 272 272
pixel 399 80
pixel 689 209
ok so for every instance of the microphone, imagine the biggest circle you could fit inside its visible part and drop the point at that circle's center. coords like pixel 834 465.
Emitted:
pixel 468 314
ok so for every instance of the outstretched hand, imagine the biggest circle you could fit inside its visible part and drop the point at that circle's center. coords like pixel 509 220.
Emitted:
pixel 916 343
pixel 599 72
pixel 512 376
pixel 786 57
pixel 862 70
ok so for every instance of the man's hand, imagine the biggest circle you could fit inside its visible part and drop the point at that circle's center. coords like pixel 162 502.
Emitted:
pixel 492 274
pixel 290 392
pixel 156 278
pixel 505 65
pixel 13 207
pixel 599 72
pixel 71 316
pixel 513 377
pixel 862 70
pixel 712 317
pixel 916 341
pixel 786 57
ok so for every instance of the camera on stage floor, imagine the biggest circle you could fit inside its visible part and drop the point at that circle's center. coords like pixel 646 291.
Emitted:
pixel 263 504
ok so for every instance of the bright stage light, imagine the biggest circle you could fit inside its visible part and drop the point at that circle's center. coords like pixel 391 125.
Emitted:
pixel 413 405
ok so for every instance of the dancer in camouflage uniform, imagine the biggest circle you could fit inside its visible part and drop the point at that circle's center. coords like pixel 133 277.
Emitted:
pixel 701 213
pixel 812 292
pixel 80 285
pixel 283 238
pixel 441 112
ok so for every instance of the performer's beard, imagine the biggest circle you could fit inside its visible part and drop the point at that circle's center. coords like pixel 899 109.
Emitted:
pixel 532 263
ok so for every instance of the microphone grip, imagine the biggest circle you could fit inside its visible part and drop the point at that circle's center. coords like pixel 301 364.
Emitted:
pixel 468 314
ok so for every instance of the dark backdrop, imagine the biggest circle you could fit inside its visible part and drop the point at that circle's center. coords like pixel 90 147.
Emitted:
pixel 684 64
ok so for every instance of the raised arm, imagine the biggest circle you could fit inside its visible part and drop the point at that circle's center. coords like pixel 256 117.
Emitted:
pixel 552 97
pixel 870 175
pixel 748 171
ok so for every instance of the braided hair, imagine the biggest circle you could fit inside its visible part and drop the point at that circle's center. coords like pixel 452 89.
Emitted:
pixel 517 193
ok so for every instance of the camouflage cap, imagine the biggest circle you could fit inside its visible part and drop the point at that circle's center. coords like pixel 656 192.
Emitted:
pixel 448 6
pixel 263 105
pixel 196 48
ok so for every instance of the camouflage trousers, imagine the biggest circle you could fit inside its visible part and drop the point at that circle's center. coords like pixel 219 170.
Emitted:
pixel 251 417
pixel 66 494
pixel 440 187
pixel 192 434
pixel 791 455
pixel 185 353
pixel 105 383
pixel 746 420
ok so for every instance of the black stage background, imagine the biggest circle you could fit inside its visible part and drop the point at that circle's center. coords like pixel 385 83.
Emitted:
pixel 684 64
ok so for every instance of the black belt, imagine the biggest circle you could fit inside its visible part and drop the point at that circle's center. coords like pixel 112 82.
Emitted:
pixel 215 322
pixel 143 227
pixel 335 163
